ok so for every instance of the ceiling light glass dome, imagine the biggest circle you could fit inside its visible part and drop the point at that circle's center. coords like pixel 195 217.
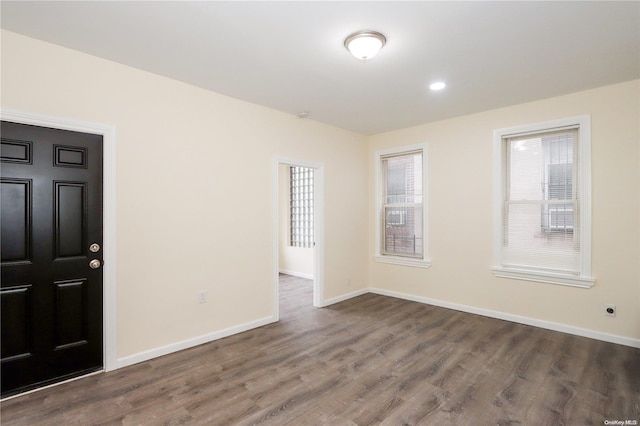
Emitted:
pixel 365 45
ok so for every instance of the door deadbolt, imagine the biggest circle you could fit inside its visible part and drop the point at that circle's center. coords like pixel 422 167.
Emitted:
pixel 94 248
pixel 94 264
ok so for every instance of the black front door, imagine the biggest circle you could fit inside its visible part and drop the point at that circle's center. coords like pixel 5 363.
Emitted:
pixel 51 292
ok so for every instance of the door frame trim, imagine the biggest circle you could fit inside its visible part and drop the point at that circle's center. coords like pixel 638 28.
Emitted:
pixel 108 133
pixel 318 228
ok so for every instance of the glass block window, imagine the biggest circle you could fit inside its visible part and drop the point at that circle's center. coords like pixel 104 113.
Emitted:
pixel 301 206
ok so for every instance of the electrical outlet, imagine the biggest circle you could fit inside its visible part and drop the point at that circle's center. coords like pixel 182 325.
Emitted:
pixel 610 310
pixel 349 282
pixel 202 296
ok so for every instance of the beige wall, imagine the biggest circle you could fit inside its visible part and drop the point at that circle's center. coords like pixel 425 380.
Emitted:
pixel 296 261
pixel 460 214
pixel 183 225
pixel 194 190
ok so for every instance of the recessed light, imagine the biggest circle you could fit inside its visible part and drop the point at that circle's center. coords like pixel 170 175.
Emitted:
pixel 439 85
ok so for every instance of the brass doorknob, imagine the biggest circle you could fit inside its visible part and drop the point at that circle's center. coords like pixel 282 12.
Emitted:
pixel 94 264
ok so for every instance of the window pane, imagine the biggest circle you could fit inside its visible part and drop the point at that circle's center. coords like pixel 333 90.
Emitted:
pixel 525 169
pixel 403 231
pixel 529 244
pixel 403 178
pixel 541 167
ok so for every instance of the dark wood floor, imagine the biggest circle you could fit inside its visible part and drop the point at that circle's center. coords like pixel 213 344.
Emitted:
pixel 369 360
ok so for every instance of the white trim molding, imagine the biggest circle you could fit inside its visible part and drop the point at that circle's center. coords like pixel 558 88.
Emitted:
pixel 195 341
pixel 296 274
pixel 583 277
pixel 318 227
pixel 547 277
pixel 108 133
pixel 344 297
pixel 421 262
pixel 403 261
pixel 563 328
pixel 185 344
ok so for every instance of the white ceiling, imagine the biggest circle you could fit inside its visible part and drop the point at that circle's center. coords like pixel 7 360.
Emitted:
pixel 290 55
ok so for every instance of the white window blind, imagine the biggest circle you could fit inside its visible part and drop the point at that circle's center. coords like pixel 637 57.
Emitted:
pixel 542 202
pixel 301 206
pixel 402 205
pixel 541 220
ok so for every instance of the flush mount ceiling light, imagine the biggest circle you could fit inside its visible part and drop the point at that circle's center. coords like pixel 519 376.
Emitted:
pixel 365 44
pixel 438 85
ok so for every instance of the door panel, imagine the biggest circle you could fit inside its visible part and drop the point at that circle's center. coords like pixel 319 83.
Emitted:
pixel 15 196
pixel 71 318
pixel 70 210
pixel 15 151
pixel 51 195
pixel 16 340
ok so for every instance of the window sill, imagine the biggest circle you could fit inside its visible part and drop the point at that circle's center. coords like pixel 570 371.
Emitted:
pixel 544 277
pixel 404 261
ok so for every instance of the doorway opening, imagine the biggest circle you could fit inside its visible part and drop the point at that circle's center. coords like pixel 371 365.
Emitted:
pixel 299 226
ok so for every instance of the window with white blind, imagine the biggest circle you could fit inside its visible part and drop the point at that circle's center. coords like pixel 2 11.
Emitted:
pixel 401 219
pixel 542 202
pixel 301 206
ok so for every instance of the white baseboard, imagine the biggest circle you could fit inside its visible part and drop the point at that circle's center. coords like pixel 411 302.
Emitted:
pixel 344 297
pixel 612 338
pixel 189 343
pixel 206 338
pixel 296 274
pixel 185 344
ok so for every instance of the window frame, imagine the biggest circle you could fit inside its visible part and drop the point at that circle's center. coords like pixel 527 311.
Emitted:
pixel 583 278
pixel 380 256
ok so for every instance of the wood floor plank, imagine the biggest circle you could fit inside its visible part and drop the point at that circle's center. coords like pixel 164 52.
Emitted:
pixel 366 361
